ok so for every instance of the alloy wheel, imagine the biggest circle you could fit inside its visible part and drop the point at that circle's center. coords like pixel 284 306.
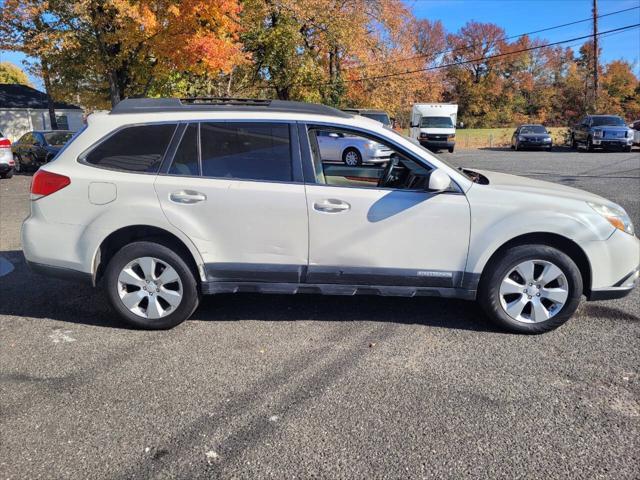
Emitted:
pixel 150 287
pixel 534 291
pixel 351 158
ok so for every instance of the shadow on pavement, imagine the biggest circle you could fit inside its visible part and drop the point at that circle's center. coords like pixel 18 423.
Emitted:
pixel 26 294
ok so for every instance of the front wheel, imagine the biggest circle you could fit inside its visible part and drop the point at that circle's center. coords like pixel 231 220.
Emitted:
pixel 352 157
pixel 450 149
pixel 150 286
pixel 590 147
pixel 530 289
pixel 574 144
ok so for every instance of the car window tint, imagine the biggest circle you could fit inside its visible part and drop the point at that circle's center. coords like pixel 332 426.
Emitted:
pixel 185 161
pixel 135 149
pixel 249 151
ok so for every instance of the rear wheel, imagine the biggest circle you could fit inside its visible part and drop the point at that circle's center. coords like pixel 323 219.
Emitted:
pixel 531 289
pixel 450 149
pixel 9 174
pixel 151 286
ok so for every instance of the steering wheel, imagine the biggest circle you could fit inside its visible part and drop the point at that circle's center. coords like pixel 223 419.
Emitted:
pixel 388 171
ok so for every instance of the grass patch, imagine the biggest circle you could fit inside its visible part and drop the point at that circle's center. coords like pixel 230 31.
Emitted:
pixel 500 137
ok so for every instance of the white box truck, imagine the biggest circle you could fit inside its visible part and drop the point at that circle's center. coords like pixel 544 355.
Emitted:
pixel 434 125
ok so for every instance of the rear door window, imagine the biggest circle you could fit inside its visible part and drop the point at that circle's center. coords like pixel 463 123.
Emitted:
pixel 246 151
pixel 138 148
pixel 185 161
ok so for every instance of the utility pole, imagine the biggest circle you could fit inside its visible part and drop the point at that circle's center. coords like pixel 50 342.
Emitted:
pixel 595 55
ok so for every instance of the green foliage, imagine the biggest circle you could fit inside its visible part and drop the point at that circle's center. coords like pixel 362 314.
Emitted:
pixel 10 73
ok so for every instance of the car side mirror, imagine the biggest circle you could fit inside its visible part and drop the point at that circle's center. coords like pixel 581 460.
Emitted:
pixel 413 125
pixel 439 181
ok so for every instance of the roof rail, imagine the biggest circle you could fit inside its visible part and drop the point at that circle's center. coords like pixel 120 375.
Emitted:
pixel 151 105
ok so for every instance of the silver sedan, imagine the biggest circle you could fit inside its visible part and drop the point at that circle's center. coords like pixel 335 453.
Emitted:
pixel 352 150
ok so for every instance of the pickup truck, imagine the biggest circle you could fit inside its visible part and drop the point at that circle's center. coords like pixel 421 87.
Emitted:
pixel 602 131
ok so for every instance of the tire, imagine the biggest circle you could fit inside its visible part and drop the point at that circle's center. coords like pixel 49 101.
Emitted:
pixel 574 144
pixel 451 149
pixel 9 174
pixel 492 298
pixel 186 285
pixel 18 165
pixel 516 147
pixel 590 147
pixel 627 149
pixel 352 157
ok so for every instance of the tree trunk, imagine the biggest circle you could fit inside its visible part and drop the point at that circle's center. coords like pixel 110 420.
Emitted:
pixel 46 79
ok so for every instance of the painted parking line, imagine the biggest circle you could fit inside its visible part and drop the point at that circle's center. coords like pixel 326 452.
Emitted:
pixel 6 267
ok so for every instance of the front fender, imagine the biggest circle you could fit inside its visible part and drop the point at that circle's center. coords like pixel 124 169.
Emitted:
pixel 488 237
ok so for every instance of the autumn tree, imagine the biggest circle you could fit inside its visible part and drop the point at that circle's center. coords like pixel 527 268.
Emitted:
pixel 10 73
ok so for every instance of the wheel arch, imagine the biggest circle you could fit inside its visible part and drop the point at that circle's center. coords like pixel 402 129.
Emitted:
pixel 131 233
pixel 351 147
pixel 562 243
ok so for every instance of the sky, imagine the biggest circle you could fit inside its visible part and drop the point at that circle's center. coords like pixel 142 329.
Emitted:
pixel 521 16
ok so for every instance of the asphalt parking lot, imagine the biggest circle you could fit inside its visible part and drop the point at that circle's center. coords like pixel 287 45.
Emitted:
pixel 330 387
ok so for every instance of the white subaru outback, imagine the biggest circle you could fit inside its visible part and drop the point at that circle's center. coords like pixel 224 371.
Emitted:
pixel 163 200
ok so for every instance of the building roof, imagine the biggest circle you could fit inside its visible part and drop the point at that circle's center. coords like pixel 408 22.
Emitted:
pixel 13 95
pixel 152 105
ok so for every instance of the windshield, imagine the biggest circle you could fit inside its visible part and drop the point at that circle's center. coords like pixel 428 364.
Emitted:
pixel 436 122
pixel 613 121
pixel 57 138
pixel 533 129
pixel 383 118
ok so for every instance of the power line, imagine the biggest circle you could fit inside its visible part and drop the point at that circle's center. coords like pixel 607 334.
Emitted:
pixel 465 62
pixel 472 45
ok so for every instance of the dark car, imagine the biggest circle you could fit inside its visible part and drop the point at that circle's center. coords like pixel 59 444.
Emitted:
pixel 37 148
pixel 602 131
pixel 531 136
pixel 378 115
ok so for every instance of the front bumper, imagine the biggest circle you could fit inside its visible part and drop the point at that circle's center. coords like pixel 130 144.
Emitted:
pixel 614 143
pixel 614 266
pixel 534 144
pixel 620 289
pixel 437 143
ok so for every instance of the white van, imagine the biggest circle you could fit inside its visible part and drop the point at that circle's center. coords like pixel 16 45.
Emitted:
pixel 434 125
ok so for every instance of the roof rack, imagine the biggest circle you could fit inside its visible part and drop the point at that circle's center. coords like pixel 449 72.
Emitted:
pixel 151 105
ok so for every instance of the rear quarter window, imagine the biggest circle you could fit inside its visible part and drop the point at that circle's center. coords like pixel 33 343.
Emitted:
pixel 138 148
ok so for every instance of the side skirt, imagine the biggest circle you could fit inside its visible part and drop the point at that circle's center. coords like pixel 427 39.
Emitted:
pixel 212 288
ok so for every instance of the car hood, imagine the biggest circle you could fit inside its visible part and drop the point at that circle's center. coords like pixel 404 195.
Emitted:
pixel 503 181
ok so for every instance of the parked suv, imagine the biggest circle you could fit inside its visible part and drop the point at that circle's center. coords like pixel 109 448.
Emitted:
pixel 6 158
pixel 602 131
pixel 162 200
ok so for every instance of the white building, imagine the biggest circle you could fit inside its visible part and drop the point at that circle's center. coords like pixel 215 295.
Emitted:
pixel 23 109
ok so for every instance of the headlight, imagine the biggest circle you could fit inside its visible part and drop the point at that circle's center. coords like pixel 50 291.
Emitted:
pixel 616 216
pixel 547 139
pixel 597 133
pixel 521 138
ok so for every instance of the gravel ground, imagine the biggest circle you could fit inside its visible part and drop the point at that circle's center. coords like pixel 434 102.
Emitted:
pixel 331 387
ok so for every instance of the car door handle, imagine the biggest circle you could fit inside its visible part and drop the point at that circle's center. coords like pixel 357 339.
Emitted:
pixel 331 205
pixel 187 197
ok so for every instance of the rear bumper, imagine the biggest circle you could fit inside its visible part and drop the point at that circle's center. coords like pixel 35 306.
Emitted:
pixel 61 272
pixel 5 167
